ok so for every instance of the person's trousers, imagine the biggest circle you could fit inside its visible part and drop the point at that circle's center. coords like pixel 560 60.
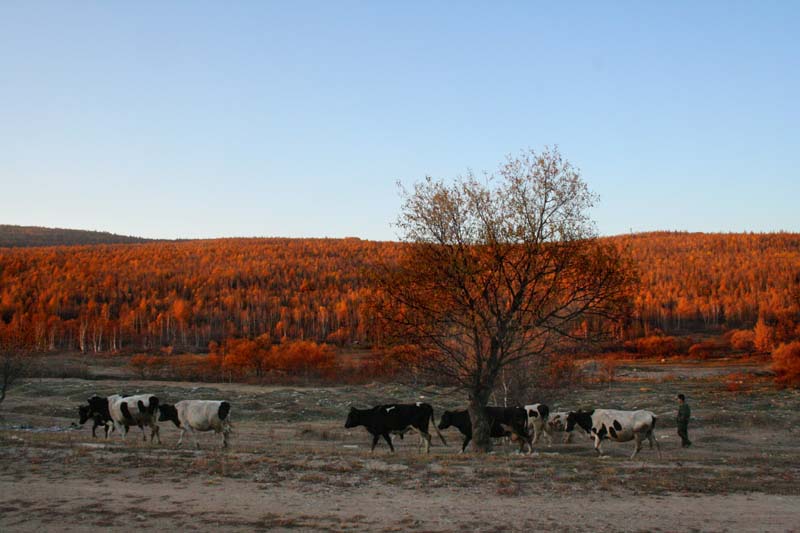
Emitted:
pixel 683 432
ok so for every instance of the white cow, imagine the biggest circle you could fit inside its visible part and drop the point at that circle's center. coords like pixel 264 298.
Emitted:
pixel 139 410
pixel 537 414
pixel 199 415
pixel 620 426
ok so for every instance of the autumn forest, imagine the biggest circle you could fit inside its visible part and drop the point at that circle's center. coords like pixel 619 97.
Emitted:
pixel 193 296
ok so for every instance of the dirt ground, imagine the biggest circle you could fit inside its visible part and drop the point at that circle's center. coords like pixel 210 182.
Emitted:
pixel 293 466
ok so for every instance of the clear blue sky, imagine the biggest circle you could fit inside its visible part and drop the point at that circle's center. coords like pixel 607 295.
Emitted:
pixel 205 119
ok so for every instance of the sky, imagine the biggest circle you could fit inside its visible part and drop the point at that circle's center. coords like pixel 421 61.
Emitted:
pixel 200 119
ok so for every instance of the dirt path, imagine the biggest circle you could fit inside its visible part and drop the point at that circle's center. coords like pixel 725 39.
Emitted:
pixel 239 505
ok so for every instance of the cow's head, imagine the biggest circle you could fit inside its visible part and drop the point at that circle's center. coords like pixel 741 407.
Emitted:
pixel 84 413
pixel 557 422
pixel 352 418
pixel 168 412
pixel 581 418
pixel 446 421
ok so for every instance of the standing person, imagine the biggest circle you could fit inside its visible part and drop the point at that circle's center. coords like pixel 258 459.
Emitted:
pixel 684 413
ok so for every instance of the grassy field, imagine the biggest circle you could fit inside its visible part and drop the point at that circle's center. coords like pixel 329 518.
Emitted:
pixel 293 466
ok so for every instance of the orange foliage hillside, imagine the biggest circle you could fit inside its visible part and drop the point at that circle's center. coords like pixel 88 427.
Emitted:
pixel 701 281
pixel 187 294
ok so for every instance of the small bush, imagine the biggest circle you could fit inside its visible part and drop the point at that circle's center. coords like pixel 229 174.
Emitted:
pixel 786 364
pixel 743 340
pixel 559 373
pixel 704 350
pixel 764 336
pixel 659 346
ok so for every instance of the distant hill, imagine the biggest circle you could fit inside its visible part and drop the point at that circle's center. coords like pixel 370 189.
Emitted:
pixel 31 236
pixel 188 293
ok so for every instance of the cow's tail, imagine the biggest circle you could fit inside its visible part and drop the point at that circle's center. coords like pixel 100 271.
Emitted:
pixel 436 427
pixel 653 435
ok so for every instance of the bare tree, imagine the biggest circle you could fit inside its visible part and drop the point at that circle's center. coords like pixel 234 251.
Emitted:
pixel 13 365
pixel 500 270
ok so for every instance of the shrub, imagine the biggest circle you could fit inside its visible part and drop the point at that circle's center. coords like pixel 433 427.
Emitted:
pixel 659 346
pixel 558 373
pixel 786 364
pixel 304 358
pixel 764 336
pixel 140 364
pixel 703 350
pixel 743 339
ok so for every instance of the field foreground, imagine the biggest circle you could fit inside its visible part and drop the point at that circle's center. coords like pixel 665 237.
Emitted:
pixel 293 466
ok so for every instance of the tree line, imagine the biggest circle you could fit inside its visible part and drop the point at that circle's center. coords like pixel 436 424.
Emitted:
pixel 142 297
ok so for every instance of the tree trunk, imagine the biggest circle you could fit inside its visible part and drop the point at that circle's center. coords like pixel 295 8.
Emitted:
pixel 481 429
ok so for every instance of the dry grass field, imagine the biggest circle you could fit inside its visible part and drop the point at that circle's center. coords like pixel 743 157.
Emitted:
pixel 293 466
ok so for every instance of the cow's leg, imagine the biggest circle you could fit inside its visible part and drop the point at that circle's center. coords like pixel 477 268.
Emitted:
pixel 154 431
pixel 180 439
pixel 94 427
pixel 375 442
pixel 191 431
pixel 567 437
pixel 225 432
pixel 548 437
pixel 425 438
pixel 124 430
pixel 652 438
pixel 465 443
pixel 597 440
pixel 521 443
pixel 388 440
pixel 144 433
pixel 524 439
pixel 637 437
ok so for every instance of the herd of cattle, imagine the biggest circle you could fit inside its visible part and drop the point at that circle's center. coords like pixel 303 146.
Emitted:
pixel 523 424
pixel 144 410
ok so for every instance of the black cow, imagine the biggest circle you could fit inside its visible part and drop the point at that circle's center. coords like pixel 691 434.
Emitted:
pixel 99 404
pixel 382 420
pixel 85 413
pixel 505 422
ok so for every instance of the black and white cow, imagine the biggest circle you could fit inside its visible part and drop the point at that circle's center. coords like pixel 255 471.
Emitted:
pixel 537 414
pixel 620 426
pixel 100 418
pixel 460 420
pixel 198 415
pixel 139 410
pixel 382 420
